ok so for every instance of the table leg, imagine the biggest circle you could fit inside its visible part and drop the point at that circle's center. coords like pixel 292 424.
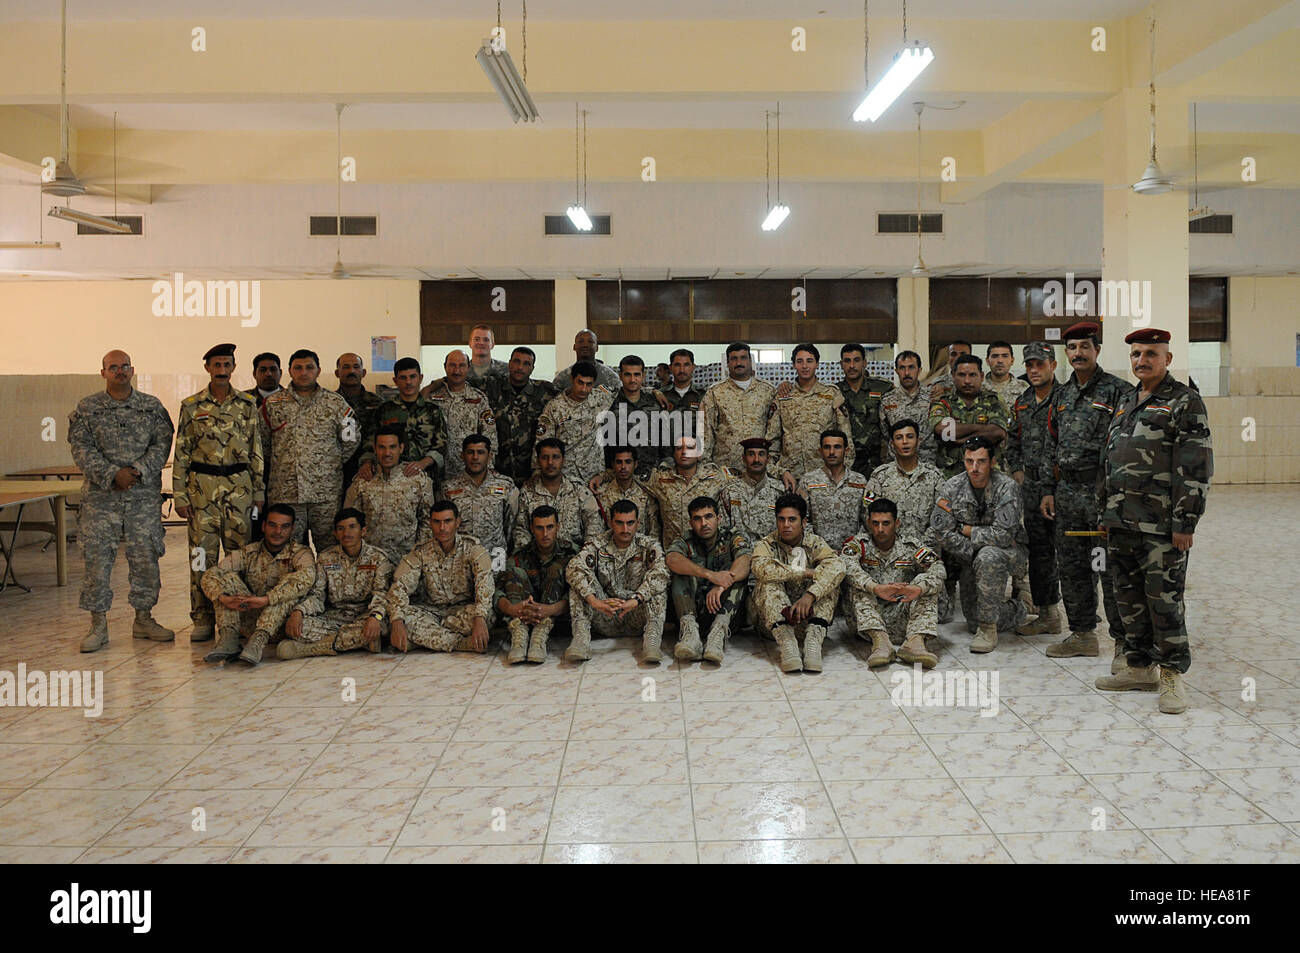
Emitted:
pixel 9 554
pixel 61 538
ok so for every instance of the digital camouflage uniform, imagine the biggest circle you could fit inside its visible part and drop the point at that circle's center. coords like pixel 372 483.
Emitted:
pixel 106 435
pixel 426 433
pixel 310 438
pixel 750 507
pixel 731 414
pixel 609 493
pixel 529 573
pixel 1073 473
pixel 689 592
pixel 397 510
pixel 579 516
pixel 1033 426
pixel 487 510
pixel 985 408
pixel 467 411
pixel 479 376
pixel 795 424
pixel 996 551
pixel 218 471
pixel 606 377
pixel 364 404
pixel 346 591
pixel 284 578
pixel 910 562
pixel 603 571
pixel 780 584
pixel 674 492
pixel 439 594
pixel 912 492
pixel 837 510
pixel 1158 465
pixel 863 406
pixel 1008 391
pixel 644 427
pixel 516 412
pixel 577 425
pixel 899 405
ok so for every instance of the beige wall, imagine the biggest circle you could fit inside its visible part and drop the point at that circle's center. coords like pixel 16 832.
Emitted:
pixel 1263 321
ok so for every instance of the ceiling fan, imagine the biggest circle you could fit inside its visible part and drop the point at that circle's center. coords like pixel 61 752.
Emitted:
pixel 65 182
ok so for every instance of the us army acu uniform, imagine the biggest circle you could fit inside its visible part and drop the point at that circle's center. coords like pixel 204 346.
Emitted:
pixel 529 573
pixel 609 493
pixel 674 492
pixel 689 593
pixel 217 470
pixel 750 507
pixel 985 408
pixel 1158 464
pixel 795 424
pixel 898 405
pixel 606 377
pixel 733 413
pixel 863 407
pixel 480 376
pixel 466 412
pixel 577 425
pixel 347 591
pixel 426 433
pixel 903 623
pixel 516 411
pixel 603 571
pixel 995 553
pixel 1008 391
pixel 397 510
pixel 311 436
pixel 837 509
pixel 487 511
pixel 778 570
pixel 457 588
pixel 284 578
pixel 364 404
pixel 106 435
pixel 645 428
pixel 579 516
pixel 912 492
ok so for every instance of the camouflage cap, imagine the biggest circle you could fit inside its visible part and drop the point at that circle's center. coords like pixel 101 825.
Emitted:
pixel 219 350
pixel 1037 350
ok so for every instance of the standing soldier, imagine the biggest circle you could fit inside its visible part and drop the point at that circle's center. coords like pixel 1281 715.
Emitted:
pixel 941 384
pixel 1000 380
pixel 396 504
pixel 679 393
pixel 517 401
pixel 863 396
pixel 908 401
pixel 795 423
pixel 350 370
pixel 313 431
pixel 749 498
pixel 969 412
pixel 735 409
pixel 574 417
pixel 674 487
pixel 584 349
pixel 709 567
pixel 423 427
pixel 120 439
pixel 797 580
pixel 466 409
pixel 1158 464
pixel 621 483
pixel 641 414
pixel 487 501
pixel 837 496
pixel 266 377
pixel 1085 405
pixel 217 476
pixel 618 585
pixel 579 516
pixel 482 366
pixel 533 591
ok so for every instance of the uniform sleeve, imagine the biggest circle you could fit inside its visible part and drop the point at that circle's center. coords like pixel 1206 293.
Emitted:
pixel 657 577
pixel 592 525
pixel 438 449
pixel 406 583
pixel 854 575
pixel 844 421
pixel 85 452
pixel 484 583
pixel 932 580
pixel 349 426
pixel 160 446
pixel 765 567
pixel 354 491
pixel 999 418
pixel 1193 466
pixel 828 571
pixel 1048 469
pixel 314 602
pixel 654 525
pixel 1006 519
pixel 510 512
pixel 383 582
pixel 938 411
pixel 181 459
pixel 709 408
pixel 514 586
pixel 423 509
pixel 581 571
pixel 296 584
pixel 257 459
pixel 521 534
pixel 775 435
pixel 1014 458
pixel 217 580
pixel 945 528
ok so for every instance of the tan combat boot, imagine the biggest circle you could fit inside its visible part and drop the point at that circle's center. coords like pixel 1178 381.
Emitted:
pixel 518 641
pixel 651 650
pixel 717 641
pixel 1129 679
pixel 350 638
pixel 203 631
pixel 579 649
pixel 1047 623
pixel 1120 661
pixel 986 639
pixel 227 646
pixel 97 637
pixel 255 646
pixel 146 627
pixel 291 648
pixel 789 646
pixel 812 648
pixel 914 652
pixel 1173 697
pixel 688 639
pixel 882 650
pixel 1075 644
pixel 537 641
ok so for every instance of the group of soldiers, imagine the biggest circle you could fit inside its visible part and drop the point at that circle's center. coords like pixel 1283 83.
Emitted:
pixel 489 496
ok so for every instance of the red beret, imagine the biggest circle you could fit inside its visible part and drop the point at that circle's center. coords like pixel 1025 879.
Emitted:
pixel 1084 329
pixel 1154 335
pixel 756 443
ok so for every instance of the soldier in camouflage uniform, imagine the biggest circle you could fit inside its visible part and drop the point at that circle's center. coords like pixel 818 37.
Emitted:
pixel 836 495
pixel 584 348
pixel 1085 405
pixel 618 585
pixel 487 500
pixel 709 569
pixel 735 409
pixel 795 423
pixel 254 589
pixel 892 584
pixel 970 412
pixel 533 591
pixel 797 580
pixel 423 427
pixel 674 486
pixel 482 366
pixel 749 499
pixel 636 420
pixel 620 482
pixel 454 573
pixel 350 370
pixel 396 505
pixel 863 396
pixel 574 417
pixel 313 431
pixel 579 515
pixel 120 439
pixel 347 607
pixel 999 379
pixel 979 522
pixel 466 409
pixel 941 384
pixel 517 402
pixel 679 394
pixel 1158 465
pixel 908 401
pixel 217 475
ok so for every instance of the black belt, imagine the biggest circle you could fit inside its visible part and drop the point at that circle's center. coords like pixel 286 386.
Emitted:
pixel 213 470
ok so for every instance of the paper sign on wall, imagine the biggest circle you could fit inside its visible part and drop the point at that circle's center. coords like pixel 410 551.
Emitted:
pixel 383 352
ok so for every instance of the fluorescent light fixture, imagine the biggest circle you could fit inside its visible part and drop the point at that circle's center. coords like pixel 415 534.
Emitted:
pixel 907 66
pixel 1193 214
pixel 500 69
pixel 16 246
pixel 1153 181
pixel 578 216
pixel 775 217
pixel 90 221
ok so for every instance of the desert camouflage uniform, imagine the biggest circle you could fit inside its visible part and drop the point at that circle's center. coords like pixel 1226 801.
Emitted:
pixel 579 516
pixel 898 405
pixel 778 584
pixel 795 425
pixel 689 592
pixel 397 510
pixel 836 510
pixel 985 408
pixel 940 385
pixel 516 413
pixel 606 377
pixel 1008 392
pixel 609 493
pixel 466 412
pixel 364 404
pixel 732 414
pixel 223 436
pixel 346 591
pixel 529 573
pixel 284 578
pixel 863 406
pixel 1158 463
pixel 910 562
pixel 1033 426
pixel 750 508
pixel 577 425
pixel 310 438
pixel 106 435
pixel 604 571
pixel 674 493
pixel 487 511
pixel 426 433
pixel 644 427
pixel 457 588
pixel 913 493
pixel 994 554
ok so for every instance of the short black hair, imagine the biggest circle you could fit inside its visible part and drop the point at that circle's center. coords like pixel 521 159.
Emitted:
pixel 525 350
pixel 967 359
pixel 833 433
pixel 701 503
pixel 545 511
pixel 549 443
pixel 630 360
pixel 585 369
pixel 474 438
pixel 406 364
pixel 284 509
pixel 810 348
pixel 850 348
pixel 898 425
pixel 736 346
pixel 883 505
pixel 969 346
pixel 904 355
pixel 267 356
pixel 791 501
pixel 1000 344
pixel 977 443
pixel 391 431
pixel 613 450
pixel 625 506
pixel 442 506
pixel 303 352
pixel 350 513
pixel 681 352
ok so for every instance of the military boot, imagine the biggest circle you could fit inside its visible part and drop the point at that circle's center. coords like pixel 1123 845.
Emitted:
pixel 537 641
pixel 986 639
pixel 579 649
pixel 812 648
pixel 1120 661
pixel 1075 644
pixel 518 641
pixel 882 650
pixel 1047 623
pixel 650 647
pixel 1131 679
pixel 688 639
pixel 203 631
pixel 914 652
pixel 146 627
pixel 717 641
pixel 227 646
pixel 351 638
pixel 291 648
pixel 789 646
pixel 255 646
pixel 1173 697
pixel 97 637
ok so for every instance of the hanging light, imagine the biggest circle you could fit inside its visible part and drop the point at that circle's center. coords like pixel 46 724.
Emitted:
pixel 1153 181
pixel 778 213
pixel 918 269
pixel 577 212
pixel 908 64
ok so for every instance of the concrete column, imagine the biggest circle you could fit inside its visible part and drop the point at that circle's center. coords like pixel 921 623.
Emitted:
pixel 914 318
pixel 570 318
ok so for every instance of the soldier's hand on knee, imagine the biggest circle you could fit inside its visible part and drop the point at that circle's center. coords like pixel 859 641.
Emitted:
pixel 478 636
pixel 803 607
pixel 231 602
pixel 369 631
pixel 397 635
pixel 293 624
pixel 1047 507
pixel 713 600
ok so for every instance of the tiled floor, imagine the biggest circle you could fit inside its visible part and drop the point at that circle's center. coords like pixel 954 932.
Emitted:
pixel 462 758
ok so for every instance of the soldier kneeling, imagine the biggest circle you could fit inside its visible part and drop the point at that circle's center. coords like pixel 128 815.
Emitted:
pixel 347 605
pixel 893 584
pixel 533 592
pixel 709 571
